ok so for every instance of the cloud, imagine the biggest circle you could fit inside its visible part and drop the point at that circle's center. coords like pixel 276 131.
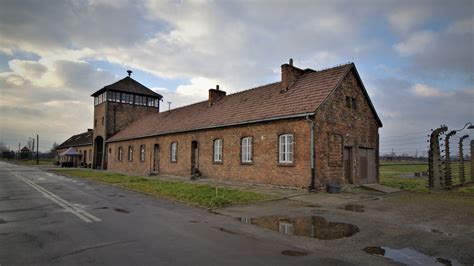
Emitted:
pixel 416 43
pixel 427 91
pixel 464 26
pixel 408 17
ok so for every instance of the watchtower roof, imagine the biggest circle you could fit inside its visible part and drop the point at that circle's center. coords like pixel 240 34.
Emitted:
pixel 129 85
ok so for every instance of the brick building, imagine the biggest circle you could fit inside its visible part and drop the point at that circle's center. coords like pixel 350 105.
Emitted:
pixel 306 130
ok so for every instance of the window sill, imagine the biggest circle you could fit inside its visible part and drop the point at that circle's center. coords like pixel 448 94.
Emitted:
pixel 286 164
pixel 246 163
pixel 217 162
pixel 173 161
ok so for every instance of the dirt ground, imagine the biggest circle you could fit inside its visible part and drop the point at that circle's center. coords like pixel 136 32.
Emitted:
pixel 438 225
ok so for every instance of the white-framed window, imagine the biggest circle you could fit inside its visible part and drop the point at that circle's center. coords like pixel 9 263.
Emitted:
pixel 246 152
pixel 119 154
pixel 142 153
pixel 130 153
pixel 218 150
pixel 286 228
pixel 174 152
pixel 285 154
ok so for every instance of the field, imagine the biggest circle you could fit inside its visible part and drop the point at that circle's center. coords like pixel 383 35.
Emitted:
pixel 42 161
pixel 401 175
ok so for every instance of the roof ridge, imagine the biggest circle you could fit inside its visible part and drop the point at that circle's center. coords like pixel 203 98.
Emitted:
pixel 336 66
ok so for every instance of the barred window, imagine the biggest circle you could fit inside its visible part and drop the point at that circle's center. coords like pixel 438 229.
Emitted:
pixel 119 154
pixel 174 152
pixel 246 145
pixel 130 153
pixel 142 153
pixel 286 148
pixel 218 150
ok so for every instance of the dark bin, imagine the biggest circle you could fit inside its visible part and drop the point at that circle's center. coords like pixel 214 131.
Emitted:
pixel 334 188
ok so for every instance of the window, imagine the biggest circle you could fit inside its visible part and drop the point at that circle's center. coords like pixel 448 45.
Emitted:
pixel 286 148
pixel 90 155
pixel 95 122
pixel 351 102
pixel 119 154
pixel 130 153
pixel 96 100
pixel 286 228
pixel 218 150
pixel 102 120
pixel 174 152
pixel 142 153
pixel 246 152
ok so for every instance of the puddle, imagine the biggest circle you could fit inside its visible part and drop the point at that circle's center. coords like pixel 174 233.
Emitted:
pixel 310 226
pixel 101 208
pixel 353 208
pixel 293 253
pixel 408 256
pixel 121 210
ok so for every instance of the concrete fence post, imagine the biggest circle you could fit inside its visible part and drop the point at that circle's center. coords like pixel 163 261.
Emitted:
pixel 448 182
pixel 435 164
pixel 462 178
pixel 472 160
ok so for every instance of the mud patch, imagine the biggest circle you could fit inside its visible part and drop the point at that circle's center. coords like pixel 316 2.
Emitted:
pixel 353 208
pixel 408 256
pixel 294 253
pixel 310 226
pixel 121 210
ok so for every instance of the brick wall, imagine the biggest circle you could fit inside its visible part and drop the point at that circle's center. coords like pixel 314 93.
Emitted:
pixel 120 115
pixel 339 126
pixel 264 168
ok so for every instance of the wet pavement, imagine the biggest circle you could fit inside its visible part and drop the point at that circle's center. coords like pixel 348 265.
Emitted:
pixel 409 256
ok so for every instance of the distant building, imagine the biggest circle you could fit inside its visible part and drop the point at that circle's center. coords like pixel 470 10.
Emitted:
pixel 307 130
pixel 25 153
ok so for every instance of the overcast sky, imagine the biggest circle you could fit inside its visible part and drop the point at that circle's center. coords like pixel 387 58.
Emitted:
pixel 416 58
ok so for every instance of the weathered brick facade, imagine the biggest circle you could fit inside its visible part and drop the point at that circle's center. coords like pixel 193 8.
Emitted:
pixel 263 169
pixel 339 126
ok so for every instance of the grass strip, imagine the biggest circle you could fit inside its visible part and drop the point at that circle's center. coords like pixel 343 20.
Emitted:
pixel 197 194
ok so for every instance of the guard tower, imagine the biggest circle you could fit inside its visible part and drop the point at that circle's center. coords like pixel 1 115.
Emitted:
pixel 117 105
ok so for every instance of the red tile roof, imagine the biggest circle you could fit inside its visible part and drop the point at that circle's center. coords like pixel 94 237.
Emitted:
pixel 262 103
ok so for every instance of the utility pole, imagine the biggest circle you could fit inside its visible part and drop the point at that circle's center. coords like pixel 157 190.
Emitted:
pixel 37 149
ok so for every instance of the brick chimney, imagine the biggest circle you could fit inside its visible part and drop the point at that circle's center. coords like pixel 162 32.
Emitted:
pixel 289 74
pixel 215 95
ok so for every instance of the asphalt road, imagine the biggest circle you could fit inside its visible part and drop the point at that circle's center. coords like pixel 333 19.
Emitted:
pixel 47 219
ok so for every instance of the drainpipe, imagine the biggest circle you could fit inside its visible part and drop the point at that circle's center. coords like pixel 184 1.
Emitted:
pixel 312 187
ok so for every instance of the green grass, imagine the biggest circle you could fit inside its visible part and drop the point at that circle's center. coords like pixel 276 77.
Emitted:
pixel 196 194
pixel 29 162
pixel 390 176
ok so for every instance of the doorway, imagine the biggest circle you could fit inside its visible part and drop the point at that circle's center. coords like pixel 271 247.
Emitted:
pixel 156 159
pixel 348 165
pixel 99 151
pixel 194 157
pixel 367 171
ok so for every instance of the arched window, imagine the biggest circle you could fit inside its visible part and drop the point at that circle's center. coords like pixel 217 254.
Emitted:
pixel 285 154
pixel 174 152
pixel 218 150
pixel 246 149
pixel 130 153
pixel 142 153
pixel 119 154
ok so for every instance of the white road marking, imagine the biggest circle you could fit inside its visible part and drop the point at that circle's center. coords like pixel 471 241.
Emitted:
pixel 83 215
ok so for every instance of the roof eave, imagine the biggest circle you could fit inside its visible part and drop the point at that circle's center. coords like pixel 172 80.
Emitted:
pixel 214 126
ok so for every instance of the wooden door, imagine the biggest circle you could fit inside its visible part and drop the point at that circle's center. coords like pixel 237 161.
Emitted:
pixel 348 165
pixel 367 170
pixel 156 159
